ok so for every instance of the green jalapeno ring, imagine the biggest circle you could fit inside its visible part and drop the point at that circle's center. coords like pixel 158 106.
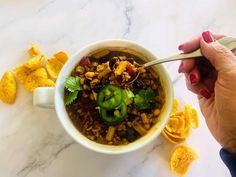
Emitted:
pixel 109 97
pixel 114 116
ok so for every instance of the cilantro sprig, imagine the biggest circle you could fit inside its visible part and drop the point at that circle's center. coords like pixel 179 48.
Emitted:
pixel 145 99
pixel 72 84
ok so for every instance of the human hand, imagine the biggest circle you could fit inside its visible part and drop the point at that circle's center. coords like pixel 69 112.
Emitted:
pixel 213 79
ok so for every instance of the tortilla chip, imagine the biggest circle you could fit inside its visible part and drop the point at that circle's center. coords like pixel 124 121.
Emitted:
pixel 181 124
pixel 61 56
pixel 46 83
pixel 187 115
pixel 34 50
pixel 181 113
pixel 8 88
pixel 172 125
pixel 172 139
pixel 194 118
pixel 181 158
pixel 37 78
pixel 53 67
pixel 21 73
pixel 175 135
pixel 186 132
pixel 175 107
pixel 34 63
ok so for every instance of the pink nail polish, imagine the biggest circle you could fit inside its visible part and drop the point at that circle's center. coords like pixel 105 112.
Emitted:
pixel 193 79
pixel 205 93
pixel 208 37
pixel 181 68
pixel 181 47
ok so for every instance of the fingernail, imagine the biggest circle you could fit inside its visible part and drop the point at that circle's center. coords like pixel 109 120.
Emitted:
pixel 181 47
pixel 193 79
pixel 181 68
pixel 205 93
pixel 208 37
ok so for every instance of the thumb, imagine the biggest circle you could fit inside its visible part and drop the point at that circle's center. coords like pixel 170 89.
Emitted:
pixel 219 56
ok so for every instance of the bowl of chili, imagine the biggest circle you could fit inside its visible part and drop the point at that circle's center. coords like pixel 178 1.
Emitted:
pixel 110 102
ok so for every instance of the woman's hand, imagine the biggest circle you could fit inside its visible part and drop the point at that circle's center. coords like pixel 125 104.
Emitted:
pixel 213 79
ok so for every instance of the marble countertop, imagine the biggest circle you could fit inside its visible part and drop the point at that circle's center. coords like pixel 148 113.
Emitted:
pixel 32 140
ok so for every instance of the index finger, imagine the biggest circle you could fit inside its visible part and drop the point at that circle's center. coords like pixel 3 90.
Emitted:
pixel 194 44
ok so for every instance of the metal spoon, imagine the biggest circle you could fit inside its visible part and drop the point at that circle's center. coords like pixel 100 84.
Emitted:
pixel 228 42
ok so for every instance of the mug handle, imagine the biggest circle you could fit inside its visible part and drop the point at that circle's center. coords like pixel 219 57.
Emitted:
pixel 44 97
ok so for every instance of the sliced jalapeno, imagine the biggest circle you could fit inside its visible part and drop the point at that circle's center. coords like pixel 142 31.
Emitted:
pixel 109 97
pixel 114 116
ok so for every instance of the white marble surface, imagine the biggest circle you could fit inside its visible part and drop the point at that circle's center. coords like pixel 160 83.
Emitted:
pixel 32 141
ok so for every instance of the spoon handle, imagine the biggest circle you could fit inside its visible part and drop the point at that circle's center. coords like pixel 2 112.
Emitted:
pixel 228 42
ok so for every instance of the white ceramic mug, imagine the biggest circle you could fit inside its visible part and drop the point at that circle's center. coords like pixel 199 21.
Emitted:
pixel 54 97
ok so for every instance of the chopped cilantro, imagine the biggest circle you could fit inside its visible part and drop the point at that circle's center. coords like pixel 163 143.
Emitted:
pixel 128 97
pixel 145 99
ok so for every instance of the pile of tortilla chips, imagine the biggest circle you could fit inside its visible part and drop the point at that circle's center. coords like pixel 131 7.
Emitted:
pixel 32 74
pixel 181 158
pixel 176 132
pixel 179 124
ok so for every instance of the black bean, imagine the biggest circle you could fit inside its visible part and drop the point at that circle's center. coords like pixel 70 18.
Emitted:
pixel 131 117
pixel 103 129
pixel 113 61
pixel 138 84
pixel 121 134
pixel 97 88
pixel 105 81
pixel 131 135
pixel 131 60
pixel 87 81
pixel 104 59
pixel 148 111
